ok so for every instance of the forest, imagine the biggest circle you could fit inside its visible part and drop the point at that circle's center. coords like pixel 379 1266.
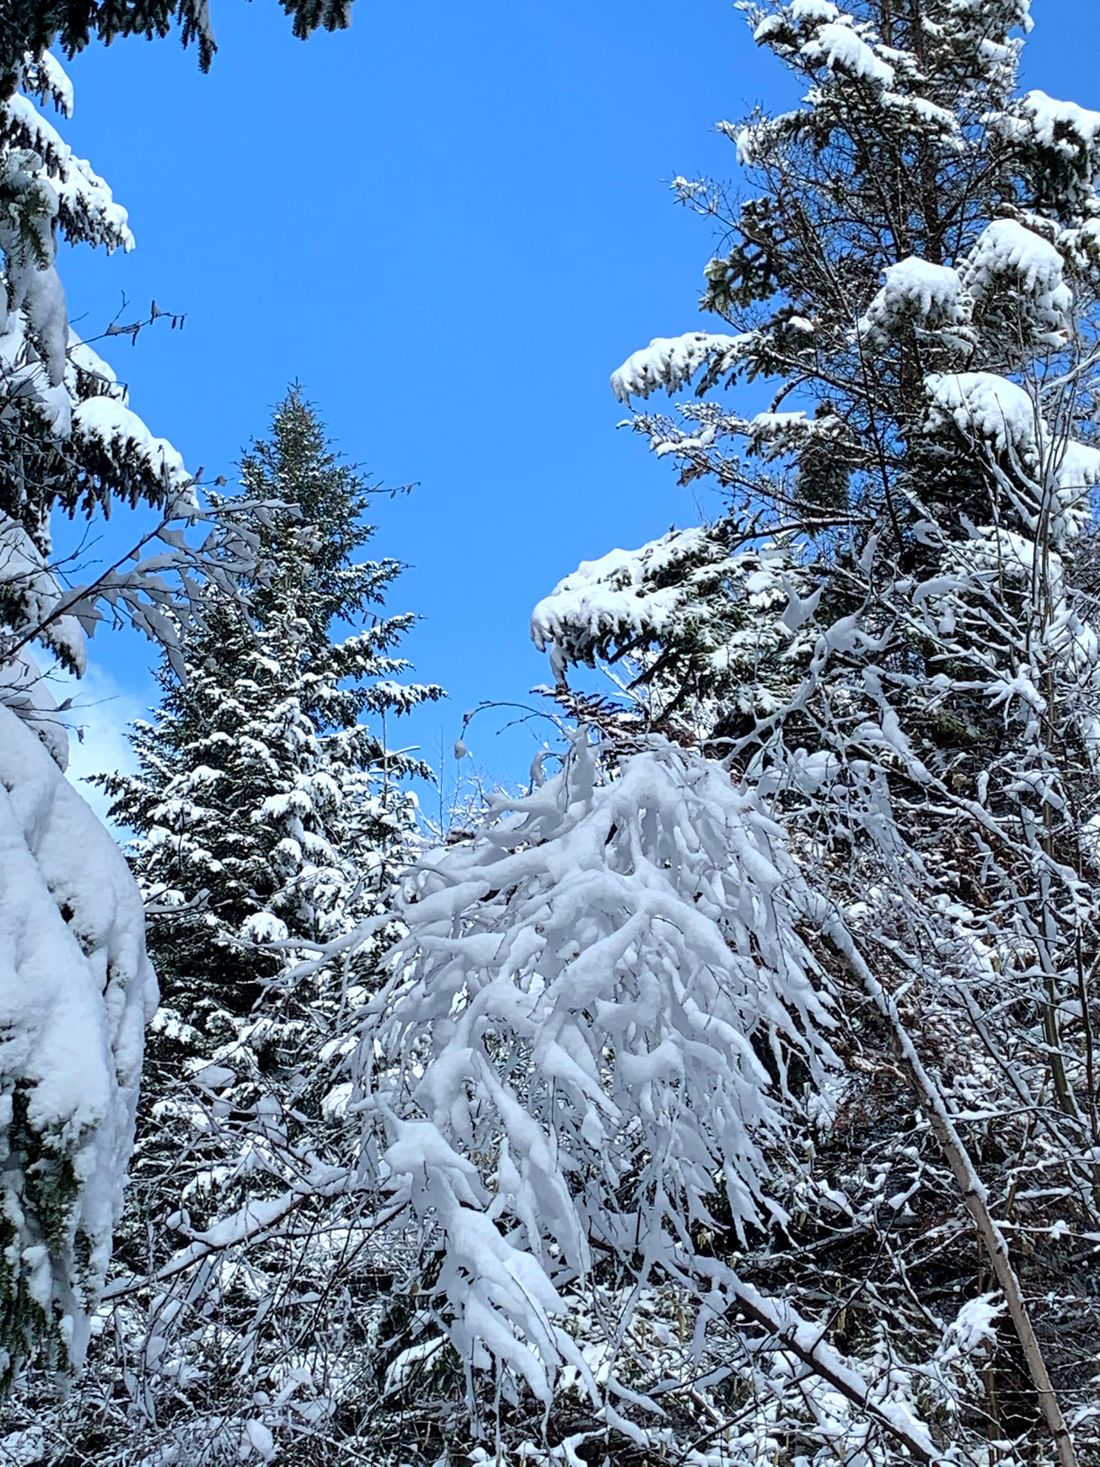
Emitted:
pixel 726 1091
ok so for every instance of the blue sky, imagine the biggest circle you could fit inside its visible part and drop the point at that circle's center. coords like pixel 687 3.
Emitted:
pixel 450 223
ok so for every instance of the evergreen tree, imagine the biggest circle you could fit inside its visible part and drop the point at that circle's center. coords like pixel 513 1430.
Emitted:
pixel 912 699
pixel 76 980
pixel 69 442
pixel 75 977
pixel 264 808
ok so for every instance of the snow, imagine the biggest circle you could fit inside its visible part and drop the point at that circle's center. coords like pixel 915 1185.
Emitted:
pixel 1078 468
pixel 260 1439
pixel 39 595
pixel 776 435
pixel 81 193
pixel 616 595
pixel 915 290
pixel 767 424
pixel 1064 141
pixel 123 435
pixel 809 1342
pixel 263 927
pixel 629 939
pixel 985 406
pixel 75 985
pixel 75 993
pixel 769 26
pixel 23 1448
pixel 1064 127
pixel 585 1035
pixel 24 118
pixel 25 690
pixel 32 354
pixel 990 408
pixel 974 1327
pixel 56 81
pixel 670 361
pixel 85 359
pixel 926 112
pixel 752 140
pixel 1006 246
pixel 1010 258
pixel 839 48
pixel 629 600
pixel 44 365
pixel 804 12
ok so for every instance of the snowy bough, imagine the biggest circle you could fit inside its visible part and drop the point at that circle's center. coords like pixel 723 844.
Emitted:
pixel 607 1016
pixel 75 993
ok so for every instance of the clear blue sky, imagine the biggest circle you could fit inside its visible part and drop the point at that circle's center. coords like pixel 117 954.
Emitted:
pixel 450 223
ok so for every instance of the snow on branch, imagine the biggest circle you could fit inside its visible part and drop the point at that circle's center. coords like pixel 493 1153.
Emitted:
pixel 1064 127
pixel 913 290
pixel 111 427
pixel 579 1023
pixel 86 206
pixel 1063 141
pixel 626 597
pixel 671 361
pixel 75 993
pixel 25 580
pixel 687 594
pixel 1053 469
pixel 1013 262
pixel 984 406
pixel 842 49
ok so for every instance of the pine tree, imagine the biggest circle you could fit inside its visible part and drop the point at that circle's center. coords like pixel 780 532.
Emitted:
pixel 68 440
pixel 76 982
pixel 913 702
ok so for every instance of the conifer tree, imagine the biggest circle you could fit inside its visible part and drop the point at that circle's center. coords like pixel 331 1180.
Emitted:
pixel 75 977
pixel 265 809
pixel 31 27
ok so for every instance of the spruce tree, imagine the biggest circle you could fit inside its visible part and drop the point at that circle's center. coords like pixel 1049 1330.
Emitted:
pixel 31 27
pixel 76 980
pixel 265 809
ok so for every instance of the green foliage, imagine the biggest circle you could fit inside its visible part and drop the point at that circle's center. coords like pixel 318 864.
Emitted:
pixel 33 26
pixel 265 807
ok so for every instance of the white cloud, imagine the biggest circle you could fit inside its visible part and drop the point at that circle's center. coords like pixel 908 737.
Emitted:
pixel 96 721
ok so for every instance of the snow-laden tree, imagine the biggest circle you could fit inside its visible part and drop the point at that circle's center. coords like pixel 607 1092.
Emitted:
pixel 77 980
pixel 76 993
pixel 76 983
pixel 886 644
pixel 265 807
pixel 68 440
pixel 592 1084
pixel 698 619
